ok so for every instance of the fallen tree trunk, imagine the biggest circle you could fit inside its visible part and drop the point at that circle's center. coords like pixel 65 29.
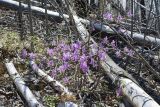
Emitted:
pixel 135 94
pixel 55 84
pixel 107 65
pixel 15 5
pixel 98 26
pixel 21 86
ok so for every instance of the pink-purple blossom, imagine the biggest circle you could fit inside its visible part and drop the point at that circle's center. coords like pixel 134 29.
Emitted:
pixel 66 80
pixel 118 53
pixel 63 67
pixel 53 73
pixel 108 16
pixel 24 53
pixel 50 63
pixel 50 52
pixel 126 50
pixel 83 58
pixel 129 14
pixel 84 67
pixel 93 62
pixel 130 53
pixel 119 18
pixel 75 56
pixel 83 63
pixel 32 56
pixel 66 56
pixel 105 40
pixel 76 46
pixel 119 91
pixel 101 55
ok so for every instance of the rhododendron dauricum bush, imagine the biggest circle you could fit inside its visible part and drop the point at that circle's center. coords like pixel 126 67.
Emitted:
pixel 63 59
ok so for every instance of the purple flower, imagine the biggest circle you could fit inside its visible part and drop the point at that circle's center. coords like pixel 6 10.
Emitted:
pixel 66 80
pixel 101 45
pixel 126 50
pixel 108 16
pixel 84 49
pixel 93 62
pixel 106 49
pixel 75 56
pixel 24 53
pixel 83 58
pixel 43 60
pixel 50 63
pixel 119 18
pixel 118 53
pixel 76 46
pixel 32 56
pixel 130 53
pixel 53 73
pixel 119 91
pixel 105 40
pixel 83 63
pixel 113 44
pixel 64 47
pixel 50 52
pixel 66 56
pixel 63 67
pixel 129 14
pixel 84 67
pixel 101 55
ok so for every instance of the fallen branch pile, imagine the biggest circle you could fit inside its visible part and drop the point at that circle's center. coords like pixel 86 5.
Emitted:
pixel 98 26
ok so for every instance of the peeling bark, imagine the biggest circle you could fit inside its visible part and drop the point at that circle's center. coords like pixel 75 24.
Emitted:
pixel 55 84
pixel 21 86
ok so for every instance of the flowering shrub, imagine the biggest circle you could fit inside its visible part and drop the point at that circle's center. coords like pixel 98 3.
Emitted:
pixel 64 59
pixel 108 16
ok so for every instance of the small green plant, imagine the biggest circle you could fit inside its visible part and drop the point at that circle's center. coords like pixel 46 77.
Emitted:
pixel 51 101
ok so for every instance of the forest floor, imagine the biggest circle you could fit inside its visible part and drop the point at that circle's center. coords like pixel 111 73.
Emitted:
pixel 10 97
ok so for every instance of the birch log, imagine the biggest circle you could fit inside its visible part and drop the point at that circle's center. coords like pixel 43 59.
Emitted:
pixel 107 67
pixel 135 94
pixel 98 26
pixel 55 84
pixel 123 3
pixel 21 86
pixel 15 4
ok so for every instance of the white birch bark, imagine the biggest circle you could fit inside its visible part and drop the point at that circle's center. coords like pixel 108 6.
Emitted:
pixel 55 84
pixel 21 86
pixel 123 3
pixel 135 94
